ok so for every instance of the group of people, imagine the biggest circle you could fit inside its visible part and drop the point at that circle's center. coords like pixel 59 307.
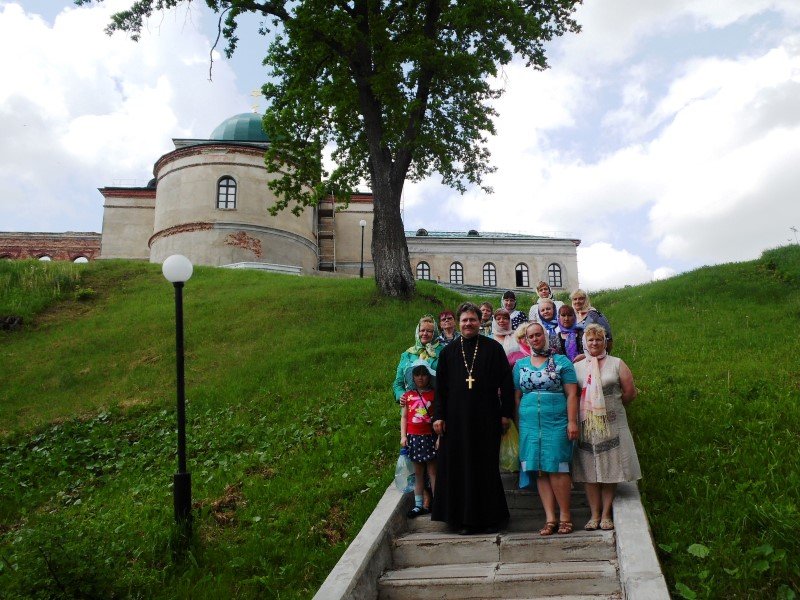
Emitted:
pixel 549 371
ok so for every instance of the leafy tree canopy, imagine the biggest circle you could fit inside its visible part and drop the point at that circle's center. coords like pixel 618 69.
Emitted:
pixel 401 89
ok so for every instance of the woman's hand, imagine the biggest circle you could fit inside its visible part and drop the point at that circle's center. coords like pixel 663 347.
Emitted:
pixel 438 427
pixel 505 423
pixel 572 430
pixel 403 441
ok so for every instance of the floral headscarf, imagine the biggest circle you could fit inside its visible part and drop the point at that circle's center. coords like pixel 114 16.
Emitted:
pixel 425 351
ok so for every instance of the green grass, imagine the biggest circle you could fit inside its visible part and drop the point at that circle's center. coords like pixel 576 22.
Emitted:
pixel 292 434
pixel 28 287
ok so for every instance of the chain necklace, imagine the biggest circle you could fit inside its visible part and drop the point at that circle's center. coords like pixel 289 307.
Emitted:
pixel 470 379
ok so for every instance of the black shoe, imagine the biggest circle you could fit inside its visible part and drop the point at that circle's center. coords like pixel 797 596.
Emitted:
pixel 417 511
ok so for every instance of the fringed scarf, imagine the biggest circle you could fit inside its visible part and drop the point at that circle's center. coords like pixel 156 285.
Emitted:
pixel 594 420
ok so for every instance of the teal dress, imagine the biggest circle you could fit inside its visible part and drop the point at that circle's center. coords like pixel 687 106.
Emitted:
pixel 543 442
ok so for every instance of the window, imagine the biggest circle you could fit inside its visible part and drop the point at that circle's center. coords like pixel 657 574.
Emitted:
pixel 521 271
pixel 554 275
pixel 489 275
pixel 456 273
pixel 423 270
pixel 226 193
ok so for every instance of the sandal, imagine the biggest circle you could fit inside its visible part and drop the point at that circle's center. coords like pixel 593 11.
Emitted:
pixel 549 528
pixel 606 524
pixel 417 511
pixel 592 525
pixel 564 527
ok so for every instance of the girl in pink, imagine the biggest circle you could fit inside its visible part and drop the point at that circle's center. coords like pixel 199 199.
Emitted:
pixel 416 429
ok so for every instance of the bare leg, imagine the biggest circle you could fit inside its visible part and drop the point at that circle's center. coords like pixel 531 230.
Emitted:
pixel 593 497
pixel 432 474
pixel 608 490
pixel 419 478
pixel 547 496
pixel 426 494
pixel 562 488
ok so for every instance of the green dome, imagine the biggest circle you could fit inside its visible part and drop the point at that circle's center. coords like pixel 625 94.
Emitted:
pixel 245 127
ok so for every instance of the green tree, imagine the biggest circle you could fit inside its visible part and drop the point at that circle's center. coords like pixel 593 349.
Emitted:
pixel 400 88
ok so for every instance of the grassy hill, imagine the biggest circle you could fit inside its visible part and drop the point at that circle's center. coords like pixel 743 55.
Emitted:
pixel 292 435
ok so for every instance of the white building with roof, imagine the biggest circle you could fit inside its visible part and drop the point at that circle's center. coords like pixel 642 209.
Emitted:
pixel 209 200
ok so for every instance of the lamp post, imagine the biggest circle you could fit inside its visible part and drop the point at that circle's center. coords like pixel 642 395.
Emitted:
pixel 363 224
pixel 178 269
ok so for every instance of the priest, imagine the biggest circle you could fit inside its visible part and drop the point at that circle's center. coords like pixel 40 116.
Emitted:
pixel 473 407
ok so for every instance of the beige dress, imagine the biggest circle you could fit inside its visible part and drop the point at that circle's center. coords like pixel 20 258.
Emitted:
pixel 614 459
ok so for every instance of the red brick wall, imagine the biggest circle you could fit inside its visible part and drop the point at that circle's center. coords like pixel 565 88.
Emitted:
pixel 58 246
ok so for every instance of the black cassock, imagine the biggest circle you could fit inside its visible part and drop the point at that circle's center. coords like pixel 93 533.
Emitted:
pixel 469 492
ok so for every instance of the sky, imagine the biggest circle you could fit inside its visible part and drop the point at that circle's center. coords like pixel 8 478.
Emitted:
pixel 665 136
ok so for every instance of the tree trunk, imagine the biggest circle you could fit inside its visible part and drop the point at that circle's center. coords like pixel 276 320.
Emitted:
pixel 389 249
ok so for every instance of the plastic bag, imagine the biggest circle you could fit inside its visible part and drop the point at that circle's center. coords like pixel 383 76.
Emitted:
pixel 404 473
pixel 509 450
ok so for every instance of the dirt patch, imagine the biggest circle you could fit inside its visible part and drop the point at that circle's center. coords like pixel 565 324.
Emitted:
pixel 334 526
pixel 224 508
pixel 262 471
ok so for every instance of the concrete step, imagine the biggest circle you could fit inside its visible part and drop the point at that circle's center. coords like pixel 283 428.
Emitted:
pixel 500 580
pixel 432 548
pixel 522 520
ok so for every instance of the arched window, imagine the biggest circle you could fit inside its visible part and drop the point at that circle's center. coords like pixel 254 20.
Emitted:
pixel 45 258
pixel 554 275
pixel 456 273
pixel 423 270
pixel 81 260
pixel 521 271
pixel 489 275
pixel 226 193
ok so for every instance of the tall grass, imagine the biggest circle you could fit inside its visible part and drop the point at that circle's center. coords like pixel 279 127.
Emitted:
pixel 29 286
pixel 292 432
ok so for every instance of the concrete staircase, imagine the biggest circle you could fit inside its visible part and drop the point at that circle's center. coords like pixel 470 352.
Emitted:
pixel 428 562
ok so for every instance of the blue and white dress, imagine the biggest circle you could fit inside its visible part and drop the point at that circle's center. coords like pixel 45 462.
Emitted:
pixel 543 442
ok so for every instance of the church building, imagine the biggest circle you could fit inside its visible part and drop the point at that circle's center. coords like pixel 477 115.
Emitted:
pixel 208 200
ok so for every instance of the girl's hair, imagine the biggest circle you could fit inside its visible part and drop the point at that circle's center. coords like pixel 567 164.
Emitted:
pixel 420 370
pixel 519 332
pixel 428 319
pixel 545 301
pixel 566 308
pixel 580 292
pixel 532 324
pixel 595 329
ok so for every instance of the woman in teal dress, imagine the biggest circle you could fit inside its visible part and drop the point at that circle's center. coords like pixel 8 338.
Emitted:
pixel 547 416
pixel 426 346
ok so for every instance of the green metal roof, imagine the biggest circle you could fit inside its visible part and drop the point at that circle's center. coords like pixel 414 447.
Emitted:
pixel 245 127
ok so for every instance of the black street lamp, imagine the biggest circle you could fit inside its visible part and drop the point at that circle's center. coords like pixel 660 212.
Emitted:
pixel 178 269
pixel 363 224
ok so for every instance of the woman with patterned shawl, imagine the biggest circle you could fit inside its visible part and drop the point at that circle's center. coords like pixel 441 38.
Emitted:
pixel 426 346
pixel 605 454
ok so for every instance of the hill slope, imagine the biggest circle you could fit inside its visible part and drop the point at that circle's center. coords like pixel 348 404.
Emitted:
pixel 292 434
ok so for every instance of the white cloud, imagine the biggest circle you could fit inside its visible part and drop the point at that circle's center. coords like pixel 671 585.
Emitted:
pixel 87 110
pixel 601 266
pixel 663 273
